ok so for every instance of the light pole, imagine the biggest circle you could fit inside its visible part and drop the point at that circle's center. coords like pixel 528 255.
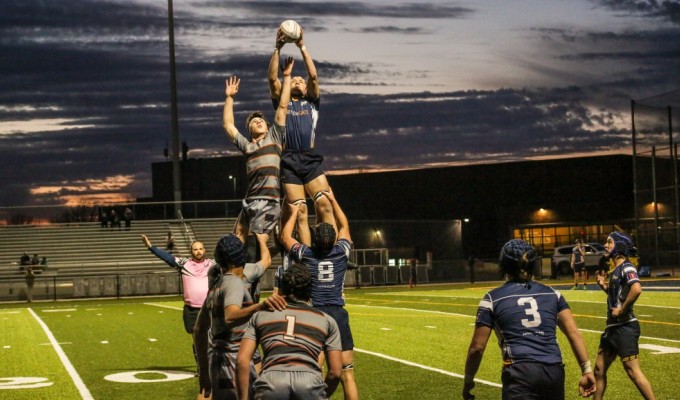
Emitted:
pixel 233 178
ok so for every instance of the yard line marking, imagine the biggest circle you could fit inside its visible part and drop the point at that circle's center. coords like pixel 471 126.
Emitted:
pixel 80 385
pixel 636 304
pixel 61 310
pixel 641 337
pixel 415 309
pixel 164 306
pixel 441 371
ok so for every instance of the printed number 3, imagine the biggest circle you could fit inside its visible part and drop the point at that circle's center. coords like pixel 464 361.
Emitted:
pixel 532 311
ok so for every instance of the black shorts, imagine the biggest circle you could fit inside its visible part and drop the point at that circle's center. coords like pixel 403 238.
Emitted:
pixel 580 267
pixel 533 381
pixel 621 340
pixel 190 315
pixel 300 167
pixel 341 317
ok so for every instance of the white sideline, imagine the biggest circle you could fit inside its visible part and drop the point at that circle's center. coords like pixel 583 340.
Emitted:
pixel 80 385
pixel 441 371
pixel 163 306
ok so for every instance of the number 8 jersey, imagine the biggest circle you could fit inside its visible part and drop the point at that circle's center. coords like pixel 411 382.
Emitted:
pixel 524 317
pixel 328 271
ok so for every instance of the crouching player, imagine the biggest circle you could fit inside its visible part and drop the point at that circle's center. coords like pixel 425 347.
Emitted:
pixel 292 341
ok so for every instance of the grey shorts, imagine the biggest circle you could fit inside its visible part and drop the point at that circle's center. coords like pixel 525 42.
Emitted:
pixel 222 370
pixel 284 385
pixel 261 215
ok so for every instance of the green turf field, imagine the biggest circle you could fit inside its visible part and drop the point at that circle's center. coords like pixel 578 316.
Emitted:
pixel 410 344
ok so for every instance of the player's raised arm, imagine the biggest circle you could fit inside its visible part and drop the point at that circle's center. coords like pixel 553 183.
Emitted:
pixel 273 73
pixel 230 92
pixel 312 77
pixel 265 255
pixel 287 238
pixel 340 218
pixel 282 109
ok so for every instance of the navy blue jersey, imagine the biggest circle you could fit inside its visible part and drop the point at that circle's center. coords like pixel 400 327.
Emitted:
pixel 301 118
pixel 328 271
pixel 579 258
pixel 524 317
pixel 620 281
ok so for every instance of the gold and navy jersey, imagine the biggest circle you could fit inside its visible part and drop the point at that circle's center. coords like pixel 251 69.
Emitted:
pixel 524 317
pixel 620 281
pixel 301 118
pixel 328 271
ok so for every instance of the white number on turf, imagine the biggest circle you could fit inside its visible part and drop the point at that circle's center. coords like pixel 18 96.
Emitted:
pixel 23 383
pixel 131 376
pixel 532 311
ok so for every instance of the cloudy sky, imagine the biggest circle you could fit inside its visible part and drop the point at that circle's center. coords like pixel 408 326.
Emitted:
pixel 85 92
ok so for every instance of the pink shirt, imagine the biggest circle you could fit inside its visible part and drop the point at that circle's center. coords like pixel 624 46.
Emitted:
pixel 196 286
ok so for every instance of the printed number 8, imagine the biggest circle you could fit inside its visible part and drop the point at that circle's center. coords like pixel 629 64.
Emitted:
pixel 325 271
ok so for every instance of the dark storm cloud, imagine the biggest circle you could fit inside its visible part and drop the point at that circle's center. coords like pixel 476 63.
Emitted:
pixel 649 8
pixel 350 9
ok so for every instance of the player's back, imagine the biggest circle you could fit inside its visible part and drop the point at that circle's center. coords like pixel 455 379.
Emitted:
pixel 524 317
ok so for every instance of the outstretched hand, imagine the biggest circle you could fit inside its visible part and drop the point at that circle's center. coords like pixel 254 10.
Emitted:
pixel 301 42
pixel 280 39
pixel 232 86
pixel 146 241
pixel 287 67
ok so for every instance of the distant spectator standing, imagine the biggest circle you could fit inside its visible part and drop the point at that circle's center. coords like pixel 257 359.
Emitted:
pixel 413 279
pixel 471 266
pixel 30 280
pixel 114 220
pixel 578 264
pixel 104 219
pixel 127 216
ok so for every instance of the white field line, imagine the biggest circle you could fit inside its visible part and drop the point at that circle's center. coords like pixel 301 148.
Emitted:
pixel 441 371
pixel 80 385
pixel 164 306
pixel 473 316
pixel 641 337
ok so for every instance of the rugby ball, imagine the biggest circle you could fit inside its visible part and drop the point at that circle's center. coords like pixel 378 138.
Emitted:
pixel 291 29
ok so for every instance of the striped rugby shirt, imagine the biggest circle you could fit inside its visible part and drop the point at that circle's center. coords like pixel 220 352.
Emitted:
pixel 263 158
pixel 230 290
pixel 292 339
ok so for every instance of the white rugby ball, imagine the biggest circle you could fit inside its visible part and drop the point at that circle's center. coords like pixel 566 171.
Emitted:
pixel 291 29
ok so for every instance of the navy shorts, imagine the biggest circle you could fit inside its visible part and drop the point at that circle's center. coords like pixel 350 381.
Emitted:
pixel 189 315
pixel 533 381
pixel 300 167
pixel 621 340
pixel 580 267
pixel 341 317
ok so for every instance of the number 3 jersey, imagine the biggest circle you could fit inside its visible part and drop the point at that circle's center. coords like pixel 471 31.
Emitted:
pixel 524 317
pixel 328 271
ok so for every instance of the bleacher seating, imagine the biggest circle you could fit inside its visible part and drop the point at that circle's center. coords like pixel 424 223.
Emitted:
pixel 86 247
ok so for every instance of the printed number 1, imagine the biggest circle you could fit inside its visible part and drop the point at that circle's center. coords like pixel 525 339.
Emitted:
pixel 532 311
pixel 290 328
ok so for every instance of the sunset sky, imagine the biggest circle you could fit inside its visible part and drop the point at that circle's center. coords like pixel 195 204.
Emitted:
pixel 85 92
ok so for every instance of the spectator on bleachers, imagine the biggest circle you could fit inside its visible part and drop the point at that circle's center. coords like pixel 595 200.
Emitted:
pixel 43 263
pixel 169 242
pixel 114 220
pixel 104 219
pixel 25 259
pixel 127 216
pixel 35 260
